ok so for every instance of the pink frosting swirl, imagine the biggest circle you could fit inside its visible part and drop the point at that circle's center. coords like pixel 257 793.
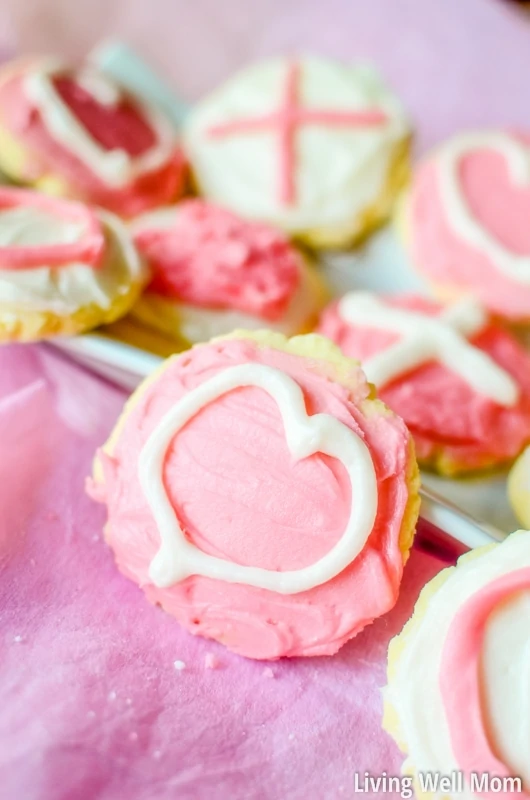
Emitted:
pixel 211 257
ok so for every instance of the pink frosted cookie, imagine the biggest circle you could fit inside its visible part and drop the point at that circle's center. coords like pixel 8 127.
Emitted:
pixel 259 493
pixel 466 221
pixel 461 383
pixel 457 699
pixel 214 272
pixel 77 133
pixel 64 267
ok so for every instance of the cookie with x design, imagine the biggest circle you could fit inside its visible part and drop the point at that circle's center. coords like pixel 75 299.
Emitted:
pixel 460 382
pixel 318 148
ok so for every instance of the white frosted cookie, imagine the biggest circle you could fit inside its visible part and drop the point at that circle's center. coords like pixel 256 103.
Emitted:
pixel 64 267
pixel 457 700
pixel 318 148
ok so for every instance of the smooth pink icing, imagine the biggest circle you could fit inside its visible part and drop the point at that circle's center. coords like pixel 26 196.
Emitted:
pixel 87 250
pixel 122 126
pixel 441 410
pixel 239 495
pixel 290 116
pixel 213 258
pixel 500 208
pixel 460 678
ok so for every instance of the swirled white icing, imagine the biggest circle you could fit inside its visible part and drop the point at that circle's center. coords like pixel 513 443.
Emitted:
pixel 506 671
pixel 305 434
pixel 460 216
pixel 115 167
pixel 426 338
pixel 66 288
pixel 414 689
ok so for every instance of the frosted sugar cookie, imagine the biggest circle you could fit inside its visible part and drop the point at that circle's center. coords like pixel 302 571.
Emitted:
pixel 460 382
pixel 318 148
pixel 64 267
pixel 75 132
pixel 258 492
pixel 214 272
pixel 466 220
pixel 457 700
pixel 519 487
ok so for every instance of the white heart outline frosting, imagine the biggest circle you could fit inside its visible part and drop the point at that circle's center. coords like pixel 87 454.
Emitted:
pixel 462 221
pixel 177 558
pixel 116 167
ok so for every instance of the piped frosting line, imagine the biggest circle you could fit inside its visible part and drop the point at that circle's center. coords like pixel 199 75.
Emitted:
pixel 460 216
pixel 88 249
pixel 306 435
pixel 460 678
pixel 115 167
pixel 426 338
pixel 289 117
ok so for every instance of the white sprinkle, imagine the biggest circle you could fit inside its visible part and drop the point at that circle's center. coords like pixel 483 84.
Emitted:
pixel 179 665
pixel 156 754
pixel 133 736
pixel 17 638
pixel 112 696
pixel 268 673
pixel 291 737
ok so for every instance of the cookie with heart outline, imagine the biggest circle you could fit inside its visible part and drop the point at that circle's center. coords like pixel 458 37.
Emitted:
pixel 258 491
pixel 465 220
pixel 77 133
